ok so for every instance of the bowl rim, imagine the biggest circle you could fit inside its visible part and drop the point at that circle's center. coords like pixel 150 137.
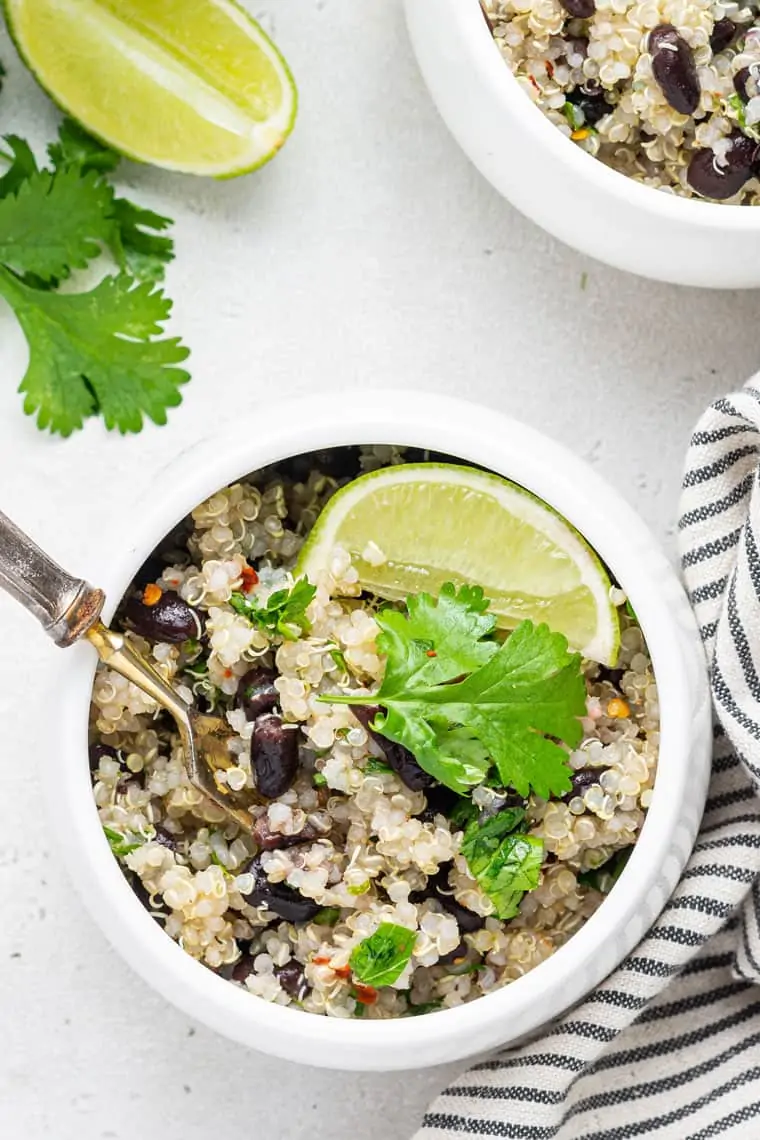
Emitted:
pixel 475 434
pixel 480 46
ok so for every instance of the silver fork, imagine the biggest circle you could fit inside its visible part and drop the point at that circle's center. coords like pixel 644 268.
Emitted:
pixel 69 609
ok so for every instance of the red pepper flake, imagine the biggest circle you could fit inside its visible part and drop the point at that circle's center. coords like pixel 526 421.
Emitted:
pixel 250 579
pixel 535 85
pixel 367 995
pixel 431 653
pixel 550 69
pixel 228 673
pixel 152 594
pixel 343 971
pixel 321 960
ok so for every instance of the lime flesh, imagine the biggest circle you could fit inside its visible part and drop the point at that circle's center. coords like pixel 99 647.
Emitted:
pixel 191 85
pixel 435 523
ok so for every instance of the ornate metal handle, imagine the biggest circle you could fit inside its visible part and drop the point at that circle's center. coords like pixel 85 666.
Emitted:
pixel 65 607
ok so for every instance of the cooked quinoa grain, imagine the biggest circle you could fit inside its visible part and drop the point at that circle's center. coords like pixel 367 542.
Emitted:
pixel 664 91
pixel 347 850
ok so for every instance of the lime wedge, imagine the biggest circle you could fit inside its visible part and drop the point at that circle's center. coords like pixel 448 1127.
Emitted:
pixel 191 85
pixel 413 527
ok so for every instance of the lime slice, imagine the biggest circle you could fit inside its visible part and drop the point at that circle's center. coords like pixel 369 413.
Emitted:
pixel 418 525
pixel 191 85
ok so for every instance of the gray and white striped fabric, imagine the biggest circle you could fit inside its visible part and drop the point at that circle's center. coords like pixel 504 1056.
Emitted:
pixel 668 1047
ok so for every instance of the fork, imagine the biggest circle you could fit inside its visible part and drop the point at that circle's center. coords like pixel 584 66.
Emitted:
pixel 69 610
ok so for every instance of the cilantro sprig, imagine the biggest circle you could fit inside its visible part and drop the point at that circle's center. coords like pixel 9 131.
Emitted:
pixel 284 612
pixel 460 701
pixel 98 352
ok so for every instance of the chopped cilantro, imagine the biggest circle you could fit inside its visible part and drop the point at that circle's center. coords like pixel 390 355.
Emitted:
pixel 477 702
pixel 284 613
pixel 327 916
pixel 361 889
pixel 339 660
pixel 506 862
pixel 423 1007
pixel 382 958
pixel 375 766
pixel 119 844
pixel 318 780
pixel 574 115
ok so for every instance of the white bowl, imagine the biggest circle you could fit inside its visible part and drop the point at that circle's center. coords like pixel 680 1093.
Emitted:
pixel 571 194
pixel 478 435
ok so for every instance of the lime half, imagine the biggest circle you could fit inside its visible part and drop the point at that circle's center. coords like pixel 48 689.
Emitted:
pixel 413 527
pixel 191 85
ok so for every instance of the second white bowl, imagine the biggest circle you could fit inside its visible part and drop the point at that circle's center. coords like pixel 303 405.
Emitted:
pixel 566 191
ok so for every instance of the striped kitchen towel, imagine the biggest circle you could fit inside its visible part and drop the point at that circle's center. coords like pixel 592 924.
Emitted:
pixel 668 1047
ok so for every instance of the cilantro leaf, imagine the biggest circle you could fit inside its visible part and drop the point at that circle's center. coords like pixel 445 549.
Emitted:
pixel 75 147
pixel 119 844
pixel 506 864
pixel 283 613
pixel 22 165
pixel 137 251
pixel 437 640
pixel 54 223
pixel 529 689
pixel 381 959
pixel 96 352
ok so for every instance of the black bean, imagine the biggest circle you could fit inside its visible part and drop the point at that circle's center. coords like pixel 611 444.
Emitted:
pixel 242 968
pixel 746 83
pixel 439 801
pixel 400 759
pixel 593 105
pixel 165 838
pixel 98 751
pixel 581 779
pixel 274 755
pixel 256 692
pixel 281 899
pixel 273 840
pixel 722 180
pixel 722 34
pixel 291 978
pixel 579 9
pixel 674 68
pixel 459 951
pixel 168 619
pixel 438 888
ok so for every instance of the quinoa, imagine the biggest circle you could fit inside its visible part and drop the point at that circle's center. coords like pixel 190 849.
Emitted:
pixel 595 69
pixel 348 839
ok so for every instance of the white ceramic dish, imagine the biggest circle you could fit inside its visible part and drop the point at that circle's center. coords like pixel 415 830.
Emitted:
pixel 474 434
pixel 563 189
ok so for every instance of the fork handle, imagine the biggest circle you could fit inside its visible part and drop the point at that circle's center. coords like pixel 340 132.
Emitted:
pixel 66 607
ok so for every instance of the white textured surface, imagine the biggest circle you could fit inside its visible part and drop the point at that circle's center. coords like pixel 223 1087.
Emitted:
pixel 369 253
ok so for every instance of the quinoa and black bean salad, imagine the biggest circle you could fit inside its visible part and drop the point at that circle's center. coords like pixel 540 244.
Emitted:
pixel 664 91
pixel 413 847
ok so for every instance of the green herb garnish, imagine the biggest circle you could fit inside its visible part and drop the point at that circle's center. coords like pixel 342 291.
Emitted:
pixel 423 1007
pixel 318 780
pixel 119 844
pixel 381 959
pixel 284 613
pixel 98 352
pixel 505 861
pixel 339 659
pixel 375 766
pixel 461 702
pixel 327 916
pixel 361 889
pixel 574 115
pixel 604 877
